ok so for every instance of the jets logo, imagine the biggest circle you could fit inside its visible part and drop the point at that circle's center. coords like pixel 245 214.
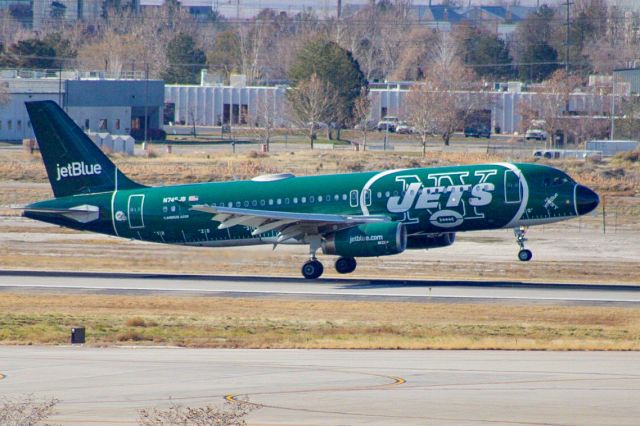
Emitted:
pixel 448 198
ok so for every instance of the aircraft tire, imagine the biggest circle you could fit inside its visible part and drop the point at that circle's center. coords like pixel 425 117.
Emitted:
pixel 312 269
pixel 345 265
pixel 525 255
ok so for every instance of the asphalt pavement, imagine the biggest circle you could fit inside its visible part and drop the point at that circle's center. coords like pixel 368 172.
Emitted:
pixel 328 387
pixel 468 291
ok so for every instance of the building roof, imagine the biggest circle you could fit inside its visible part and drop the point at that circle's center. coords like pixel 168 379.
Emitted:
pixel 438 13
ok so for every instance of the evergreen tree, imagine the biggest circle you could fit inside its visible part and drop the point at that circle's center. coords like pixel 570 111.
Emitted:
pixel 337 67
pixel 537 57
pixel 185 61
pixel 487 54
pixel 31 53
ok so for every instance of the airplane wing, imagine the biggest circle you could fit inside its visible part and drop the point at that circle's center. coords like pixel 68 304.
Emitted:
pixel 287 224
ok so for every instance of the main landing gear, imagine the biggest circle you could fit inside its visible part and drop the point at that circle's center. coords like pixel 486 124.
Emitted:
pixel 313 269
pixel 524 254
pixel 346 265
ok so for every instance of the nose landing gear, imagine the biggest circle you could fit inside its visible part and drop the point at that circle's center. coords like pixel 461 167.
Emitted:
pixel 524 254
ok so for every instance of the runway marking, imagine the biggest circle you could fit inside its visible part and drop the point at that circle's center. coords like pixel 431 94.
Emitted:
pixel 235 398
pixel 334 293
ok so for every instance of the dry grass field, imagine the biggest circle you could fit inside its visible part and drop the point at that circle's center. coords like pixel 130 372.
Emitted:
pixel 251 323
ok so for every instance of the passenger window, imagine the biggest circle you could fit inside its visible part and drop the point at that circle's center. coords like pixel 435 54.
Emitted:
pixel 336 197
pixel 367 197
pixel 279 201
pixel 319 198
pixel 295 200
pixel 254 203
pixel 246 204
pixel 344 197
pixel 237 203
pixel 327 198
pixel 353 198
pixel 230 204
pixel 311 199
pixel 303 200
pixel 387 194
pixel 262 203
pixel 271 202
pixel 286 201
pixel 379 195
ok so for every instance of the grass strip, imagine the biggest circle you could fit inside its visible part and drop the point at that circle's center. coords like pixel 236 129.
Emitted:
pixel 258 323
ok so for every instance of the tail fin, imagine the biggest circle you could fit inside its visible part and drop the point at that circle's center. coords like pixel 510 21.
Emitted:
pixel 75 165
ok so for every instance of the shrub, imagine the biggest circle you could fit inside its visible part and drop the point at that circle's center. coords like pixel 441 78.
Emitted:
pixel 152 134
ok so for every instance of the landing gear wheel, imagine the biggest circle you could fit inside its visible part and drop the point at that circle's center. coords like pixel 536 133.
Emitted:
pixel 525 255
pixel 312 269
pixel 345 265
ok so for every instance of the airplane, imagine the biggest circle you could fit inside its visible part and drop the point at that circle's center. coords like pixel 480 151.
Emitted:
pixel 349 215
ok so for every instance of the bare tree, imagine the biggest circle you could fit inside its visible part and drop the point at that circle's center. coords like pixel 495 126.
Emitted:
pixel 26 410
pixel 266 116
pixel 552 102
pixel 443 101
pixel 312 102
pixel 361 111
pixel 231 414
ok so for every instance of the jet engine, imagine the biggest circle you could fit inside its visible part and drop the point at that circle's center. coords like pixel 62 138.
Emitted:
pixel 429 241
pixel 372 239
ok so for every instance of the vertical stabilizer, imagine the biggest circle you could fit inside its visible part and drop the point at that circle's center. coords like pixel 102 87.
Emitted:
pixel 75 165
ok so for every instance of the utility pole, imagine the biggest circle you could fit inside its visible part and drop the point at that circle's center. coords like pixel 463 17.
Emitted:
pixel 566 40
pixel 339 14
pixel 146 103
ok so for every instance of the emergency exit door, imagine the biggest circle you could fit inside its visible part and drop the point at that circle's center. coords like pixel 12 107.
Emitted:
pixel 135 208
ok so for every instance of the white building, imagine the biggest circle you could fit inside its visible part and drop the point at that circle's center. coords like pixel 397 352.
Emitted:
pixel 216 105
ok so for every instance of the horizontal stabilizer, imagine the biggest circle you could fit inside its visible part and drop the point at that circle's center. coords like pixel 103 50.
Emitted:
pixel 84 213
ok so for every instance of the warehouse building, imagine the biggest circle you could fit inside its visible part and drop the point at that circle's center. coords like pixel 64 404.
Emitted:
pixel 94 101
pixel 500 108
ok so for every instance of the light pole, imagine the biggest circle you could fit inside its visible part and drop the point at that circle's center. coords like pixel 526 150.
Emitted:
pixel 613 106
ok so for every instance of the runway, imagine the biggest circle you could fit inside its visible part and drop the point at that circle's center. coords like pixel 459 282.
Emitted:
pixel 312 387
pixel 336 289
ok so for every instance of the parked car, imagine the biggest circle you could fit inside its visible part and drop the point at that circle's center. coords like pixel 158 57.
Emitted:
pixel 477 132
pixel 536 134
pixel 388 123
pixel 404 128
pixel 368 125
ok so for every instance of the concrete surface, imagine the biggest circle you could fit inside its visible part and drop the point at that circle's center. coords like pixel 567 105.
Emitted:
pixel 312 387
pixel 340 289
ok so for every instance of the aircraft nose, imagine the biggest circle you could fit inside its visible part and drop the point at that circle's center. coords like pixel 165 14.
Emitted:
pixel 586 200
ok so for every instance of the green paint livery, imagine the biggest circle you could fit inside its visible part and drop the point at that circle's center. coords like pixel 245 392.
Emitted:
pixel 351 215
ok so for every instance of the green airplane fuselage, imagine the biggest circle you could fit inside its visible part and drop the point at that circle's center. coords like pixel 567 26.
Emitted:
pixel 427 200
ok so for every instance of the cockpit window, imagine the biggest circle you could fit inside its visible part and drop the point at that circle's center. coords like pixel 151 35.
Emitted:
pixel 560 180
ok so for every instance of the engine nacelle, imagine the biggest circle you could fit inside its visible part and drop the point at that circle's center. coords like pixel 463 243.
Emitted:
pixel 372 239
pixel 428 241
